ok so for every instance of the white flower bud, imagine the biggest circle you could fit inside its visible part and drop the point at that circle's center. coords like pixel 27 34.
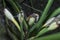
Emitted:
pixel 58 16
pixel 52 26
pixel 8 14
pixel 49 21
pixel 36 16
pixel 21 16
pixel 31 20
pixel 10 17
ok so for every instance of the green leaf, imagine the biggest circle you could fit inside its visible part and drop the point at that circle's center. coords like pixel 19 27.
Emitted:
pixel 4 4
pixel 26 26
pixel 12 32
pixel 55 36
pixel 13 4
pixel 12 35
pixel 43 17
pixel 41 32
pixel 56 12
pixel 17 4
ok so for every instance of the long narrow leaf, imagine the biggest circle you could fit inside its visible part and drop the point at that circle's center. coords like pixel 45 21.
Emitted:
pixel 42 32
pixel 50 37
pixel 39 34
pixel 14 5
pixel 4 4
pixel 43 17
pixel 56 12
pixel 12 35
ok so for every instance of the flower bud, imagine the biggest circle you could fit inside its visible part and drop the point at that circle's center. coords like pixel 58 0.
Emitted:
pixel 49 22
pixel 8 14
pixel 52 26
pixel 10 17
pixel 31 21
pixel 21 16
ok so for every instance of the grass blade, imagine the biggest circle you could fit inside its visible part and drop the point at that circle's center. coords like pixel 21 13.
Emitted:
pixel 26 25
pixel 56 12
pixel 12 35
pixel 22 32
pixel 43 17
pixel 14 5
pixel 4 4
pixel 55 36
pixel 41 32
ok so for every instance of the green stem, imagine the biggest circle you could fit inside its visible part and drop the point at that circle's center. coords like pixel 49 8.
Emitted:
pixel 22 32
pixel 26 25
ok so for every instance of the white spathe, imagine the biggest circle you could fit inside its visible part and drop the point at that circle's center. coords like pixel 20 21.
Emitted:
pixel 20 17
pixel 10 17
pixel 53 26
pixel 49 21
pixel 8 14
pixel 31 21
